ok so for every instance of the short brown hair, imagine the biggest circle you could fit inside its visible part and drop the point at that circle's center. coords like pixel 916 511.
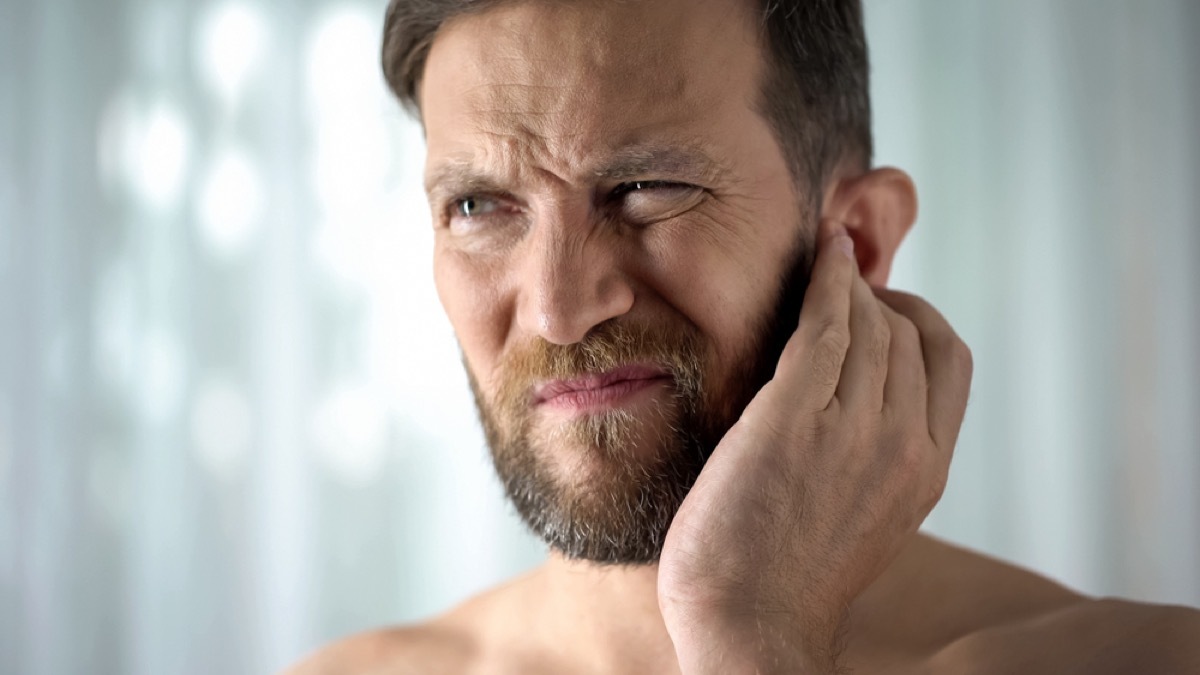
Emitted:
pixel 815 93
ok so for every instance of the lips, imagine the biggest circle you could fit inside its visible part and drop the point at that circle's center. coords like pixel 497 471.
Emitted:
pixel 599 390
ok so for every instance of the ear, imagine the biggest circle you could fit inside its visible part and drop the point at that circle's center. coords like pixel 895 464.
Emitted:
pixel 877 208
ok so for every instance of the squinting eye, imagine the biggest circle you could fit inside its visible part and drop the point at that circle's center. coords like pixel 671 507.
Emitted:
pixel 470 207
pixel 643 185
pixel 648 201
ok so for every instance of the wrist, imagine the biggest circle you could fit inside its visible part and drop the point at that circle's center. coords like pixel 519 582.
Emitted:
pixel 754 644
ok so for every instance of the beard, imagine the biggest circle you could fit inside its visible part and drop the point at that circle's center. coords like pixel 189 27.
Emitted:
pixel 605 486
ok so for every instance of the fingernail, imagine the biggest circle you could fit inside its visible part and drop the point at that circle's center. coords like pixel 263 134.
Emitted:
pixel 845 244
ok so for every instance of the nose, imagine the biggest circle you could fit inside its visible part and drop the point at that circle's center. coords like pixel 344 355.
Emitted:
pixel 570 283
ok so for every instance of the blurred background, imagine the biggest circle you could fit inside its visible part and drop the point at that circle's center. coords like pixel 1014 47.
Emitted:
pixel 233 425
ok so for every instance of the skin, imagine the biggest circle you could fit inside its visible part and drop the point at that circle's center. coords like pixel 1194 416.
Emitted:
pixel 797 550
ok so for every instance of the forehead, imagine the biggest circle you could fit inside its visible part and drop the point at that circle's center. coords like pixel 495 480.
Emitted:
pixel 554 83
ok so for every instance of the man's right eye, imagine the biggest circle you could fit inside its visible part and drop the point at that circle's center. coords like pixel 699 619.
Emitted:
pixel 473 206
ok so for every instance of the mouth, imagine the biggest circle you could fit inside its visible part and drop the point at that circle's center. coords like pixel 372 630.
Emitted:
pixel 600 391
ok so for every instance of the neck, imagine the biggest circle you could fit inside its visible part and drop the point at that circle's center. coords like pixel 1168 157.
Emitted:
pixel 608 614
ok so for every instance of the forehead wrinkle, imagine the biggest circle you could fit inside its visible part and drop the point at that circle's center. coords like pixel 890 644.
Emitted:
pixel 685 161
pixel 550 144
pixel 537 120
pixel 574 35
pixel 557 101
pixel 551 57
pixel 507 162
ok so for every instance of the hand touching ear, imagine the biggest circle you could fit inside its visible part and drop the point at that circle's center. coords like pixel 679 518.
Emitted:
pixel 830 470
pixel 878 209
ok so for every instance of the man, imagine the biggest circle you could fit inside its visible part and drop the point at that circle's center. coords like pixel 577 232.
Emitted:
pixel 664 252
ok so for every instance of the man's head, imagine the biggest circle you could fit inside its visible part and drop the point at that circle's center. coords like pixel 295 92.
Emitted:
pixel 625 195
pixel 813 88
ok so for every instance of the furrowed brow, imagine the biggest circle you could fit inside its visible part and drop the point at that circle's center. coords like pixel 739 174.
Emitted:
pixel 668 160
pixel 681 162
pixel 457 177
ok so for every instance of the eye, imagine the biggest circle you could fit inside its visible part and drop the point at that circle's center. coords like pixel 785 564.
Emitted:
pixel 477 213
pixel 644 185
pixel 473 206
pixel 647 201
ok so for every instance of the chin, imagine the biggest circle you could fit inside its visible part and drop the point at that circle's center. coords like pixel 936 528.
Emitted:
pixel 601 487
pixel 639 436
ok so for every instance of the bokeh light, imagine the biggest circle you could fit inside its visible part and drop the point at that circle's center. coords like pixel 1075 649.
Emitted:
pixel 232 39
pixel 352 149
pixel 159 156
pixel 342 63
pixel 231 204
pixel 145 147
pixel 221 427
pixel 352 158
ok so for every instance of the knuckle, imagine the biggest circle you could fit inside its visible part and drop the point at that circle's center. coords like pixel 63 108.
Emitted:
pixel 826 367
pixel 880 345
pixel 911 458
pixel 958 356
pixel 951 348
pixel 825 424
pixel 834 336
pixel 937 487
pixel 828 354
pixel 827 348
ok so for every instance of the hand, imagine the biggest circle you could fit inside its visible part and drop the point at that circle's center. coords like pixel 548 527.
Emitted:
pixel 830 470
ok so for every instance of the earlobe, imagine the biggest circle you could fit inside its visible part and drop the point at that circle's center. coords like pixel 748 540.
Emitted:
pixel 878 208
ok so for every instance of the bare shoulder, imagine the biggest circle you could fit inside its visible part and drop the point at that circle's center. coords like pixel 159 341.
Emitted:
pixel 410 650
pixel 1093 636
pixel 473 637
pixel 982 615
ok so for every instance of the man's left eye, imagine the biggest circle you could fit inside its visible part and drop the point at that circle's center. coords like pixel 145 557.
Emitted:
pixel 647 201
pixel 644 185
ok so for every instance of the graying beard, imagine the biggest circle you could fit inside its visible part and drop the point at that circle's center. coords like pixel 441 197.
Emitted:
pixel 635 522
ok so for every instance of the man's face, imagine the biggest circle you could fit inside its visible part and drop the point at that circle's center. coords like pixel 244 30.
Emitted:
pixel 619 246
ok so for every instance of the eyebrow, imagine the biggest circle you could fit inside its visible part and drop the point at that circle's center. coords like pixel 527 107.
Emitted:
pixel 458 176
pixel 685 162
pixel 680 161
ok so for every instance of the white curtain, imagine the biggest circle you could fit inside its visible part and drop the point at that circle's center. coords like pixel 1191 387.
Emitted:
pixel 233 425
pixel 1057 150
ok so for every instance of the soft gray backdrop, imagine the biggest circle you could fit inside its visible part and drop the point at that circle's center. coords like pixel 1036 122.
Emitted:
pixel 232 420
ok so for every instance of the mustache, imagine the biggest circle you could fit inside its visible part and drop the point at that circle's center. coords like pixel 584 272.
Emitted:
pixel 673 346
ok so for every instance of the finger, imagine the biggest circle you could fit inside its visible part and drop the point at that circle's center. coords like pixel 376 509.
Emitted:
pixel 905 391
pixel 866 368
pixel 948 366
pixel 815 352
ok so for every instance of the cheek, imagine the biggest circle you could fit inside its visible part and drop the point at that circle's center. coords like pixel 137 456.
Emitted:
pixel 470 295
pixel 722 300
pixel 722 274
